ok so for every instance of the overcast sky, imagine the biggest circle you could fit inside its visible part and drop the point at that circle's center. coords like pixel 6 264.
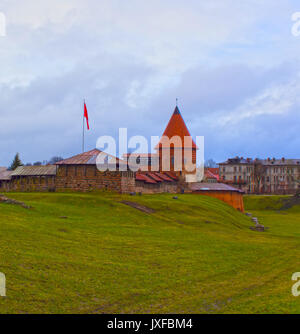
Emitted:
pixel 234 66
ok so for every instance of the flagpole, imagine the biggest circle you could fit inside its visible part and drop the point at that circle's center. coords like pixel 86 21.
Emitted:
pixel 83 128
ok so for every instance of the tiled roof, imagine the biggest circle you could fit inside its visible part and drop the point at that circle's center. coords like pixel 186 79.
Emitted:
pixel 209 174
pixel 89 158
pixel 213 170
pixel 5 174
pixel 213 187
pixel 49 170
pixel 177 127
pixel 164 177
pixel 153 177
pixel 172 176
pixel 145 178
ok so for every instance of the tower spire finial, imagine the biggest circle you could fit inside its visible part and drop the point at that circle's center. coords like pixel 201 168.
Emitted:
pixel 176 101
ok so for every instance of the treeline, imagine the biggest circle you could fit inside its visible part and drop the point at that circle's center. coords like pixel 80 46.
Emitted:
pixel 17 162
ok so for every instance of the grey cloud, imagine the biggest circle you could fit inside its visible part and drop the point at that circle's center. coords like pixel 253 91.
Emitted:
pixel 130 60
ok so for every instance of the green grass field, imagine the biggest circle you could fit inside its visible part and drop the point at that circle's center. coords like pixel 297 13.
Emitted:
pixel 192 255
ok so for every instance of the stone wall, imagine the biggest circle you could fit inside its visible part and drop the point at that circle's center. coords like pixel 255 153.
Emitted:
pixel 30 183
pixel 84 178
pixel 88 178
pixel 162 187
pixel 128 182
pixel 4 186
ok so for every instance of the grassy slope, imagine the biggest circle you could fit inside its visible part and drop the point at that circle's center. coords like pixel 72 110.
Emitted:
pixel 193 255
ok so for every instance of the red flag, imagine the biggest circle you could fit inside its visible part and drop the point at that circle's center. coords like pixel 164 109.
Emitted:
pixel 86 115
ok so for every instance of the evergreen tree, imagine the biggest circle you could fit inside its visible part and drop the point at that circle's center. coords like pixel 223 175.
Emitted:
pixel 16 162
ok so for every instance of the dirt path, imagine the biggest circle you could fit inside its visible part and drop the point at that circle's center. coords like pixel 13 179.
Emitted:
pixel 139 207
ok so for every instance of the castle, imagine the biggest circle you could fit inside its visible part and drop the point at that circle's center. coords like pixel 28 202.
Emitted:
pixel 81 172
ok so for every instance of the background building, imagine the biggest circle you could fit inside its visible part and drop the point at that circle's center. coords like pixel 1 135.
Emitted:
pixel 268 176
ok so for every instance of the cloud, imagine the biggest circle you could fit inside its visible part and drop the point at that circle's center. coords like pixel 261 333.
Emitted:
pixel 232 65
pixel 254 115
pixel 275 100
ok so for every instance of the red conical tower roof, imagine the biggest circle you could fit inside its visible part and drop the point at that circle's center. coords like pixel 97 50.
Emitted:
pixel 177 127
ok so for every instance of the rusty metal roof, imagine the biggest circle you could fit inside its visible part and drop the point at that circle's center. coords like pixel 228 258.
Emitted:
pixel 90 158
pixel 5 174
pixel 49 170
pixel 199 186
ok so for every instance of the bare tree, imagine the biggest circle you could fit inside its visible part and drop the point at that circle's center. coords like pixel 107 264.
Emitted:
pixel 210 163
pixel 298 188
pixel 259 171
pixel 54 160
